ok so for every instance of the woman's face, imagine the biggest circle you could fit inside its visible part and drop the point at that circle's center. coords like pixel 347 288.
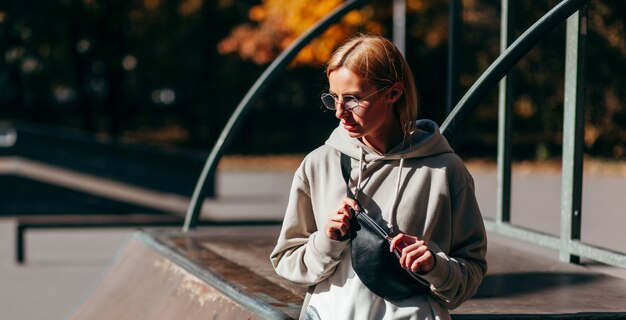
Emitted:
pixel 374 118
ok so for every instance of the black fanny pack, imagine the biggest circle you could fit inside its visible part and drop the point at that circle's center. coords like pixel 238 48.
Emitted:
pixel 378 269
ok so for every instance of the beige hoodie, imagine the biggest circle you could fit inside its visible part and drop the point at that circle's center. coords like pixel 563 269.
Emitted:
pixel 420 188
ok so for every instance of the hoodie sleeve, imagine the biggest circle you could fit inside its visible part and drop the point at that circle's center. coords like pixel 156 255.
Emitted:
pixel 303 254
pixel 457 275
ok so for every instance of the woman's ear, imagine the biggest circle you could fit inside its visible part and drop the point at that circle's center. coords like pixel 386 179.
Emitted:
pixel 394 92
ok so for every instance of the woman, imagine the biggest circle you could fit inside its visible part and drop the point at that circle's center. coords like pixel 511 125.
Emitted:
pixel 403 173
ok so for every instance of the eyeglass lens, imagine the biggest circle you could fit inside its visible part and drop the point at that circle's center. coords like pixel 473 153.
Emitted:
pixel 330 102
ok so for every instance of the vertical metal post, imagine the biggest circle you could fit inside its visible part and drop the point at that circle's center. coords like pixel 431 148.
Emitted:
pixel 573 127
pixel 503 210
pixel 455 23
pixel 399 25
pixel 20 244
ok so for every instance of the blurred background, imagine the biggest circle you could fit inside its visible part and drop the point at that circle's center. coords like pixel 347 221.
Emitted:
pixel 169 73
pixel 109 107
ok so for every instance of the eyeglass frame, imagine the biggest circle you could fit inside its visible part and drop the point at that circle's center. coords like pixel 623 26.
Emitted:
pixel 358 101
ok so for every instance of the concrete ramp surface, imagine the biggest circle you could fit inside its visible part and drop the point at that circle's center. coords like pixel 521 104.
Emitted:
pixel 151 280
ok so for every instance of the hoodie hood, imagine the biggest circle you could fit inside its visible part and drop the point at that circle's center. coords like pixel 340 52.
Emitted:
pixel 424 141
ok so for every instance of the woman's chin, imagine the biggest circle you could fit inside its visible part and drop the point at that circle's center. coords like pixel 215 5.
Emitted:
pixel 354 134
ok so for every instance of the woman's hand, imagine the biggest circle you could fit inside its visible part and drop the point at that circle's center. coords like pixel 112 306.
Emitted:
pixel 338 225
pixel 415 253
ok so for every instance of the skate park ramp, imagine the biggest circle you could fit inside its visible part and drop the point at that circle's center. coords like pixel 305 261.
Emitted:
pixel 225 273
pixel 170 276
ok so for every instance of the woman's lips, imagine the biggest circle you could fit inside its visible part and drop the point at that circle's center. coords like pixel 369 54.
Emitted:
pixel 349 125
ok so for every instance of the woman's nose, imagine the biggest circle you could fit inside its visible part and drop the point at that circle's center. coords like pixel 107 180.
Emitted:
pixel 340 110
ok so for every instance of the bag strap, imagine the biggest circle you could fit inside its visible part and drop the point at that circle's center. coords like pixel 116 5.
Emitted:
pixel 345 172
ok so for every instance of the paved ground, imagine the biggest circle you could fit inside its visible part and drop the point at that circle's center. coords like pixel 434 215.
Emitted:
pixel 64 264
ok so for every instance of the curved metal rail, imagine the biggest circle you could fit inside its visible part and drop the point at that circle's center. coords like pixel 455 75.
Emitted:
pixel 205 185
pixel 501 66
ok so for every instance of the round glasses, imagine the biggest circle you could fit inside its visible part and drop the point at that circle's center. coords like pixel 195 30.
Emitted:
pixel 350 102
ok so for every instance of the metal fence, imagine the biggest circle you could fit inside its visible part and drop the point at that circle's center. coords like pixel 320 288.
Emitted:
pixel 568 243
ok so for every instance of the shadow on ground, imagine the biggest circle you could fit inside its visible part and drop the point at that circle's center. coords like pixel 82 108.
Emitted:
pixel 564 316
pixel 509 285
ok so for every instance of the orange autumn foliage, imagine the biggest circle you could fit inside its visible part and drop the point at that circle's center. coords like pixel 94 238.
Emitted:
pixel 275 24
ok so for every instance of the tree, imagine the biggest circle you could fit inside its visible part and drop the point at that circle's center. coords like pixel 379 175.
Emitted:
pixel 275 24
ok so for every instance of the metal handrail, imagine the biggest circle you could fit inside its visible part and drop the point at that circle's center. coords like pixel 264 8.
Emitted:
pixel 568 243
pixel 206 182
pixel 506 61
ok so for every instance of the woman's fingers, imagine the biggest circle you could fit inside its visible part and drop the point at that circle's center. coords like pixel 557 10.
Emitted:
pixel 401 241
pixel 424 263
pixel 342 218
pixel 409 253
pixel 417 258
pixel 350 205
pixel 336 229
pixel 338 224
pixel 396 241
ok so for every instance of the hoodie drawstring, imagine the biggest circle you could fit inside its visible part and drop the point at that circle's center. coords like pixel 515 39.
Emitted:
pixel 392 215
pixel 394 203
pixel 358 183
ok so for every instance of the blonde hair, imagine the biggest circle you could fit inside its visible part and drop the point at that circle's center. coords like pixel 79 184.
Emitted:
pixel 377 59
